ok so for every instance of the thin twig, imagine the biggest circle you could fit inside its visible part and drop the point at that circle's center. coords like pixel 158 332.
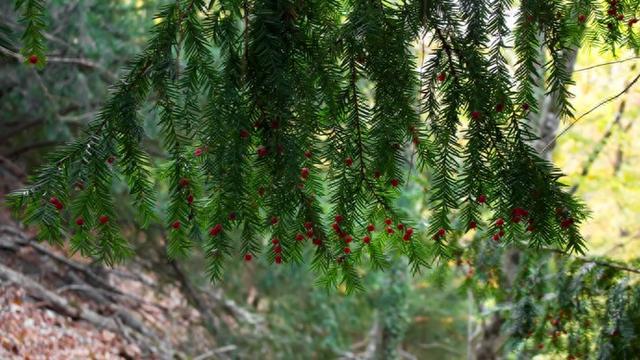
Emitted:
pixel 608 63
pixel 626 88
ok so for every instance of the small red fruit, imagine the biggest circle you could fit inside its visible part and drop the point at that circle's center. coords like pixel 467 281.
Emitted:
pixel 525 107
pixel 348 161
pixel 79 221
pixel 308 225
pixel 347 250
pixel 299 237
pixel 184 182
pixel 501 233
pixel 316 242
pixel 472 225
pixel 262 151
pixel 310 233
pixel 366 239
pixel 197 152
pixel 190 199
pixel 441 232
pixel 176 225
pixel 336 227
pixel 620 17
pixel 232 216
pixel 395 182
pixel 278 259
pixel 566 223
pixel 348 239
pixel 308 154
pixel 496 237
pixel 541 346
pixel 582 18
pixel 406 237
pixel 247 257
pixel 500 222
pixel 275 241
pixel 442 77
pixel 400 226
pixel 409 231
pixel 277 249
pixel 389 230
pixel 111 159
pixel 339 218
pixel 244 134
pixel 104 219
pixel 482 199
pixel 371 227
pixel 215 230
pixel 475 115
pixel 304 173
pixel 387 221
pixel 33 59
pixel 274 220
pixel 377 174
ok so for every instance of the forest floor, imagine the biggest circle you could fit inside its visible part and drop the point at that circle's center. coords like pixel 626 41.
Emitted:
pixel 57 307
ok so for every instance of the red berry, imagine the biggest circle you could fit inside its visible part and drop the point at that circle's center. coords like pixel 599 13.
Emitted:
pixel 104 219
pixel 197 152
pixel 310 233
pixel 304 173
pixel 472 225
pixel 371 227
pixel 308 154
pixel 387 221
pixel 244 134
pixel 566 223
pixel 247 257
pixel 541 346
pixel 262 151
pixel 278 259
pixel 190 199
pixel 611 11
pixel 400 226
pixel 347 250
pixel 366 239
pixel 79 221
pixel 389 230
pixel 274 220
pixel 496 237
pixel 395 182
pixel 275 241
pixel 525 107
pixel 215 230
pixel 277 249
pixel 348 239
pixel 500 222
pixel 299 237
pixel 33 59
pixel 582 18
pixel 442 77
pixel 111 159
pixel 501 233
pixel 620 17
pixel 336 227
pixel 339 218
pixel 376 174
pixel 348 161
pixel 184 182
pixel 475 115
pixel 441 232
pixel 54 200
pixel 482 199
pixel 232 216
pixel 308 225
pixel 409 231
pixel 516 219
pixel 406 237
pixel 499 107
pixel 176 225
pixel 317 242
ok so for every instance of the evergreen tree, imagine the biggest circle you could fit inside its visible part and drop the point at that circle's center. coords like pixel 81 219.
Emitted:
pixel 263 115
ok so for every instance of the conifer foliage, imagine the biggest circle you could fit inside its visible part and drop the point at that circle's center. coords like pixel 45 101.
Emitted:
pixel 269 109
